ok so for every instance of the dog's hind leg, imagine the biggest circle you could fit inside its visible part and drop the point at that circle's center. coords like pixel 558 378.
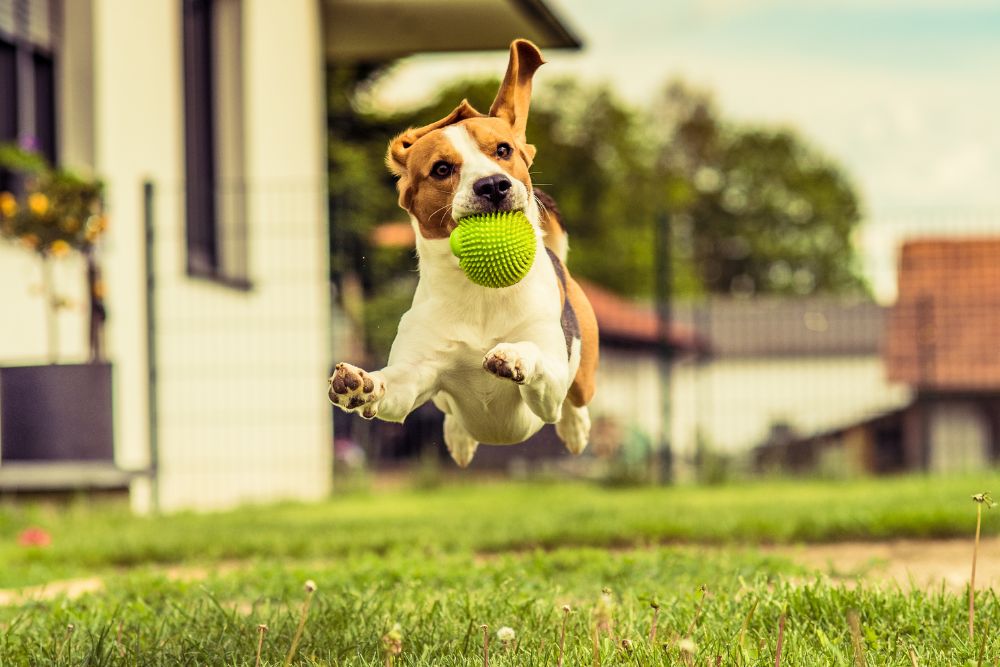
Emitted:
pixel 461 445
pixel 573 427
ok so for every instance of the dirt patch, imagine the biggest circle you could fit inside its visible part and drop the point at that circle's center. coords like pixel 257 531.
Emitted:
pixel 923 564
pixel 70 588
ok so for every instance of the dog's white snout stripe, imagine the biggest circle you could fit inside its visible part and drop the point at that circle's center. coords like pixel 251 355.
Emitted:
pixel 475 168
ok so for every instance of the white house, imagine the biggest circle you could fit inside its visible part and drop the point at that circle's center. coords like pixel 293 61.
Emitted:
pixel 807 364
pixel 218 105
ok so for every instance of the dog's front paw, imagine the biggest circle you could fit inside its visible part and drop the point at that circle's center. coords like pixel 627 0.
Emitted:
pixel 354 390
pixel 505 361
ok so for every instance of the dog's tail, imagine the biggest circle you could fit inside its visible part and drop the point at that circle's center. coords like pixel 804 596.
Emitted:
pixel 556 239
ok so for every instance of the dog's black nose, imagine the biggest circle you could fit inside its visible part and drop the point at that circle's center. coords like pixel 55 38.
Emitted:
pixel 494 188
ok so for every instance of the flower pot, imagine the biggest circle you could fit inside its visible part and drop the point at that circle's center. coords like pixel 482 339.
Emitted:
pixel 59 412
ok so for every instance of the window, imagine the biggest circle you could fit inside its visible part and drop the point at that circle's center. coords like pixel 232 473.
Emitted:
pixel 213 138
pixel 27 77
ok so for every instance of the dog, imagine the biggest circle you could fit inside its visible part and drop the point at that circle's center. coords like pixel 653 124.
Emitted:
pixel 499 362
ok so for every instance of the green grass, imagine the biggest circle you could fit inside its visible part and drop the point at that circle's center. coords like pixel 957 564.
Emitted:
pixel 440 602
pixel 441 563
pixel 496 518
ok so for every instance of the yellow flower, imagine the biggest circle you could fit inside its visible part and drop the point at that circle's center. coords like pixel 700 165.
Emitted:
pixel 59 248
pixel 8 205
pixel 38 203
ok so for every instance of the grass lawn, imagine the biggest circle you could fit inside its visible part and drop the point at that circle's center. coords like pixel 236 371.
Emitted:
pixel 441 563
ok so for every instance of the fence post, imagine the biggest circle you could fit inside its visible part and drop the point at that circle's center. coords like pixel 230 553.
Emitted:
pixel 148 201
pixel 663 470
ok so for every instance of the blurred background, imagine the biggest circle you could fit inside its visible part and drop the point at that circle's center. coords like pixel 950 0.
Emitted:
pixel 786 217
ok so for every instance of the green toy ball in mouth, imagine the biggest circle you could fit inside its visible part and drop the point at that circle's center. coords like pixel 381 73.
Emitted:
pixel 494 249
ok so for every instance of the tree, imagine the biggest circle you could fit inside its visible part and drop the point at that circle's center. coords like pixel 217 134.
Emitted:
pixel 764 213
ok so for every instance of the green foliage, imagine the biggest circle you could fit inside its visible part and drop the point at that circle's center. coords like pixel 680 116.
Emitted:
pixel 765 212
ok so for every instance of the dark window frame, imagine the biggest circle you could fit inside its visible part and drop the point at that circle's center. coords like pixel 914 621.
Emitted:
pixel 30 67
pixel 203 238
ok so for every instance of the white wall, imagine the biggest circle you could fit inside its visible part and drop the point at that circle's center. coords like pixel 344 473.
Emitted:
pixel 959 437
pixel 628 392
pixel 23 338
pixel 243 411
pixel 735 401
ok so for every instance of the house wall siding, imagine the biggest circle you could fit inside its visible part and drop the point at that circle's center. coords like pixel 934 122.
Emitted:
pixel 732 403
pixel 242 409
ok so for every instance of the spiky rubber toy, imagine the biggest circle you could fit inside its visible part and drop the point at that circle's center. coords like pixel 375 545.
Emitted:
pixel 494 249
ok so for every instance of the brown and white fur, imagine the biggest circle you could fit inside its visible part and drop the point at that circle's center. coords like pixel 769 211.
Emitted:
pixel 499 363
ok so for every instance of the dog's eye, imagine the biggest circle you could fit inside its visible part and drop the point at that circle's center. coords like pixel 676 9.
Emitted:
pixel 504 151
pixel 441 169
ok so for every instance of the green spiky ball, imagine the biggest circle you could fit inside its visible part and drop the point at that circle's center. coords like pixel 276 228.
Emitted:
pixel 494 249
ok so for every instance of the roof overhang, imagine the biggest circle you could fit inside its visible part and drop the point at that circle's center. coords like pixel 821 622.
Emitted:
pixel 380 30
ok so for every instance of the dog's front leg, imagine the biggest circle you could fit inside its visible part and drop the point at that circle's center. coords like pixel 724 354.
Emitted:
pixel 389 394
pixel 543 378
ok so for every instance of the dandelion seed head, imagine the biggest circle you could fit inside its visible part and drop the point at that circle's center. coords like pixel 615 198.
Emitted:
pixel 687 645
pixel 310 586
pixel 506 634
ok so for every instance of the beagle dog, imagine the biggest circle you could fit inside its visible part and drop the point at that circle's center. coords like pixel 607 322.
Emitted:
pixel 502 362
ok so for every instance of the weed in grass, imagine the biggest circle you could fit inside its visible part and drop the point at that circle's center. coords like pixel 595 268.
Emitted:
pixel 980 499
pixel 857 641
pixel 743 631
pixel 310 588
pixel 392 644
pixel 486 644
pixel 261 631
pixel 67 643
pixel 562 634
pixel 780 644
pixel 652 628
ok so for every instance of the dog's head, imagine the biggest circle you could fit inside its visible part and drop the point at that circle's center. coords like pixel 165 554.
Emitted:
pixel 469 162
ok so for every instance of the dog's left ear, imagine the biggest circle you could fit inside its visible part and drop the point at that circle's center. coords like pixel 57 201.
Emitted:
pixel 514 96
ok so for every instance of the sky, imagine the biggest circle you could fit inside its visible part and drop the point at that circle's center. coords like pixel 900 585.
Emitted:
pixel 905 94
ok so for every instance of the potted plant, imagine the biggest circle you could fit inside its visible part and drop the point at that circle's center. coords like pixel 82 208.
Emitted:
pixel 55 411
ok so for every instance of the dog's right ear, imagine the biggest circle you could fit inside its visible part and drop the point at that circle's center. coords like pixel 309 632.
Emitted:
pixel 399 147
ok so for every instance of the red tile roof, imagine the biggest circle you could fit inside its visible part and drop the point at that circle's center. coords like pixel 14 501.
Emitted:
pixel 944 331
pixel 624 321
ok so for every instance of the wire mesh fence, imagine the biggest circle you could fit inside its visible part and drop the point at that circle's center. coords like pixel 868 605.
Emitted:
pixel 239 345
pixel 904 378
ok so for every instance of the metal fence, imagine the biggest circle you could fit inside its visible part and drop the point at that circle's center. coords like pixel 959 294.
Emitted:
pixel 817 384
pixel 238 346
pixel 707 388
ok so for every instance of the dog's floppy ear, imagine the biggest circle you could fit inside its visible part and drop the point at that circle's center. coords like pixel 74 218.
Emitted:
pixel 399 147
pixel 514 96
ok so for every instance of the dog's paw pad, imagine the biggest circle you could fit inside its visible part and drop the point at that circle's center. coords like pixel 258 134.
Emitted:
pixel 354 390
pixel 504 363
